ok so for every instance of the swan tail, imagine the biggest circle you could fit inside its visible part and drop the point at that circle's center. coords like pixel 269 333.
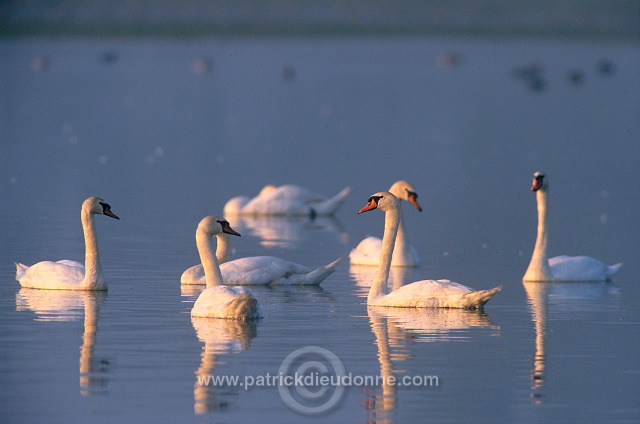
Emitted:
pixel 328 207
pixel 477 299
pixel 244 307
pixel 318 275
pixel 21 270
pixel 613 270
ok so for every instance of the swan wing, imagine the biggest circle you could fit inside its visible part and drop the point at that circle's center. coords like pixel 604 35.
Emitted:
pixel 235 205
pixel 52 275
pixel 312 278
pixel 193 275
pixel 367 252
pixel 259 270
pixel 578 268
pixel 329 206
pixel 437 294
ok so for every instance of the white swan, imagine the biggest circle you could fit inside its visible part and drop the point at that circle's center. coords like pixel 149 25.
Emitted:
pixel 218 300
pixel 560 268
pixel 420 294
pixel 288 200
pixel 66 274
pixel 259 270
pixel 367 252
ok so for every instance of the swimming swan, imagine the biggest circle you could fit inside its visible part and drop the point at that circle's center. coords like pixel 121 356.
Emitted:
pixel 420 294
pixel 367 252
pixel 66 274
pixel 289 200
pixel 560 268
pixel 218 300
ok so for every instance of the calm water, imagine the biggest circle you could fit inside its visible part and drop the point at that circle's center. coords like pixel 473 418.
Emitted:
pixel 164 145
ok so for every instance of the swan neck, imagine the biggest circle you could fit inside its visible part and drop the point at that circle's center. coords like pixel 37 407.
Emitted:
pixel 223 251
pixel 401 244
pixel 93 270
pixel 212 273
pixel 391 223
pixel 539 266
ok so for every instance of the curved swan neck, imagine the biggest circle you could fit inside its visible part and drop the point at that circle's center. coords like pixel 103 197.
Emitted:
pixel 92 269
pixel 223 251
pixel 391 223
pixel 212 273
pixel 401 242
pixel 539 266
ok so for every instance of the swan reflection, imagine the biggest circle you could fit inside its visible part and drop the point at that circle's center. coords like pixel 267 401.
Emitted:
pixel 564 298
pixel 220 336
pixel 397 328
pixel 67 305
pixel 285 232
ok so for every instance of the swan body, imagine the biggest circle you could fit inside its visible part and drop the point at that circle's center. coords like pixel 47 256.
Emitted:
pixel 67 274
pixel 420 294
pixel 560 268
pixel 262 270
pixel 218 300
pixel 290 200
pixel 367 252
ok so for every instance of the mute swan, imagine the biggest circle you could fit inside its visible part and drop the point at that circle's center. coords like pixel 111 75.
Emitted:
pixel 259 270
pixel 288 200
pixel 560 268
pixel 218 300
pixel 420 294
pixel 66 274
pixel 368 250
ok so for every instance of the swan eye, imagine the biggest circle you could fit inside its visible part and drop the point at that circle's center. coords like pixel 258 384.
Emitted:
pixel 412 194
pixel 375 199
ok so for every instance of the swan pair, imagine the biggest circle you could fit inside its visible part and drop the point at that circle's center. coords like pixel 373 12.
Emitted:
pixel 560 268
pixel 420 294
pixel 254 270
pixel 221 301
pixel 288 200
pixel 367 252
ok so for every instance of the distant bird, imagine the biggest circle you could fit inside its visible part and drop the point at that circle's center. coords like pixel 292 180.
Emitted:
pixel 286 200
pixel 202 66
pixel 40 63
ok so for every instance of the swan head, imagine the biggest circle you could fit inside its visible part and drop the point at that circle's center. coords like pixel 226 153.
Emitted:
pixel 213 225
pixel 539 182
pixel 98 206
pixel 404 190
pixel 382 200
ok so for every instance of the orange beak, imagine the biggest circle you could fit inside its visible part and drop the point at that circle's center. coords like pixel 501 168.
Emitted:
pixel 370 206
pixel 414 202
pixel 536 184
